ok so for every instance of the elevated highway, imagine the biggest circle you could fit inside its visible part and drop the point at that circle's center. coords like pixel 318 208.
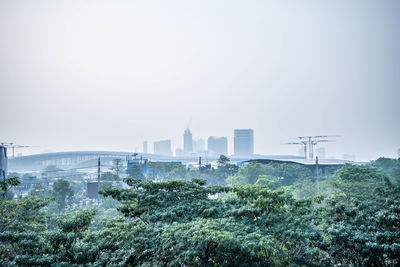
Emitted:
pixel 80 158
pixel 74 159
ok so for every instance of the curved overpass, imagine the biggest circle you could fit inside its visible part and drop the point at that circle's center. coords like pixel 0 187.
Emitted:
pixel 73 159
pixel 77 158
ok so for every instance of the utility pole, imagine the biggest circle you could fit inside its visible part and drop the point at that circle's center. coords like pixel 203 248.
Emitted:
pixel 98 178
pixel 200 167
pixel 98 170
pixel 316 168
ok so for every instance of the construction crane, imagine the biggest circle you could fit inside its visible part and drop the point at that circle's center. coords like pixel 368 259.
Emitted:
pixel 13 146
pixel 309 142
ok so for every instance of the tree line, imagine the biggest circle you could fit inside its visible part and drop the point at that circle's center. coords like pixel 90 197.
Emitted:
pixel 251 216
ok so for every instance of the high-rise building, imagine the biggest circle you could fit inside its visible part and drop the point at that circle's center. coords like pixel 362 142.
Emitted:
pixel 187 142
pixel 163 147
pixel 217 145
pixel 145 147
pixel 199 145
pixel 243 142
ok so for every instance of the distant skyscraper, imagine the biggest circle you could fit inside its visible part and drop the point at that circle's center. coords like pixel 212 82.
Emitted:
pixel 244 142
pixel 217 145
pixel 187 142
pixel 199 145
pixel 145 147
pixel 320 153
pixel 163 147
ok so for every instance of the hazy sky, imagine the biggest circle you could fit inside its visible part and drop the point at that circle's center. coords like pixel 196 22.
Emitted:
pixel 107 75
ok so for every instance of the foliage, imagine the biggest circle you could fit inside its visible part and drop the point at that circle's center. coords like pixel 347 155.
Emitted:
pixel 51 171
pixel 6 183
pixel 186 223
pixel 117 166
pixel 41 192
pixel 217 231
pixel 20 221
pixel 391 167
pixel 362 221
pixel 62 193
pixel 225 169
pixel 135 172
pixel 267 181
pixel 108 179
pixel 6 192
pixel 165 201
pixel 312 188
pixel 286 173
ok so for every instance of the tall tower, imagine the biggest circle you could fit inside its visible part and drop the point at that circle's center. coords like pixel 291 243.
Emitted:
pixel 145 147
pixel 187 142
pixel 244 142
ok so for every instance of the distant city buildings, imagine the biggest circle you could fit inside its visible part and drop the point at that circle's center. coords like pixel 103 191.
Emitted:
pixel 187 142
pixel 163 147
pixel 243 142
pixel 199 145
pixel 145 147
pixel 217 145
pixel 243 145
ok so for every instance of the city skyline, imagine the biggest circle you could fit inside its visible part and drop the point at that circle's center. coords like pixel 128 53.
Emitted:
pixel 219 146
pixel 175 147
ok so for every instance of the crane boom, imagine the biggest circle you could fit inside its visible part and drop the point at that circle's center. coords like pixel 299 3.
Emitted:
pixel 309 142
pixel 14 146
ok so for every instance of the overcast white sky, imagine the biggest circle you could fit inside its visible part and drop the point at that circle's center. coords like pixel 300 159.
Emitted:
pixel 107 75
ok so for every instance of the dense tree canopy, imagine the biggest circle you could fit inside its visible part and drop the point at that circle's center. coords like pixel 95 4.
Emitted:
pixel 62 193
pixel 135 172
pixel 362 220
pixel 286 173
pixel 186 223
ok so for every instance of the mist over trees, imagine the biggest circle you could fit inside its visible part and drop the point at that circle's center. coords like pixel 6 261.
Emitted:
pixel 272 215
